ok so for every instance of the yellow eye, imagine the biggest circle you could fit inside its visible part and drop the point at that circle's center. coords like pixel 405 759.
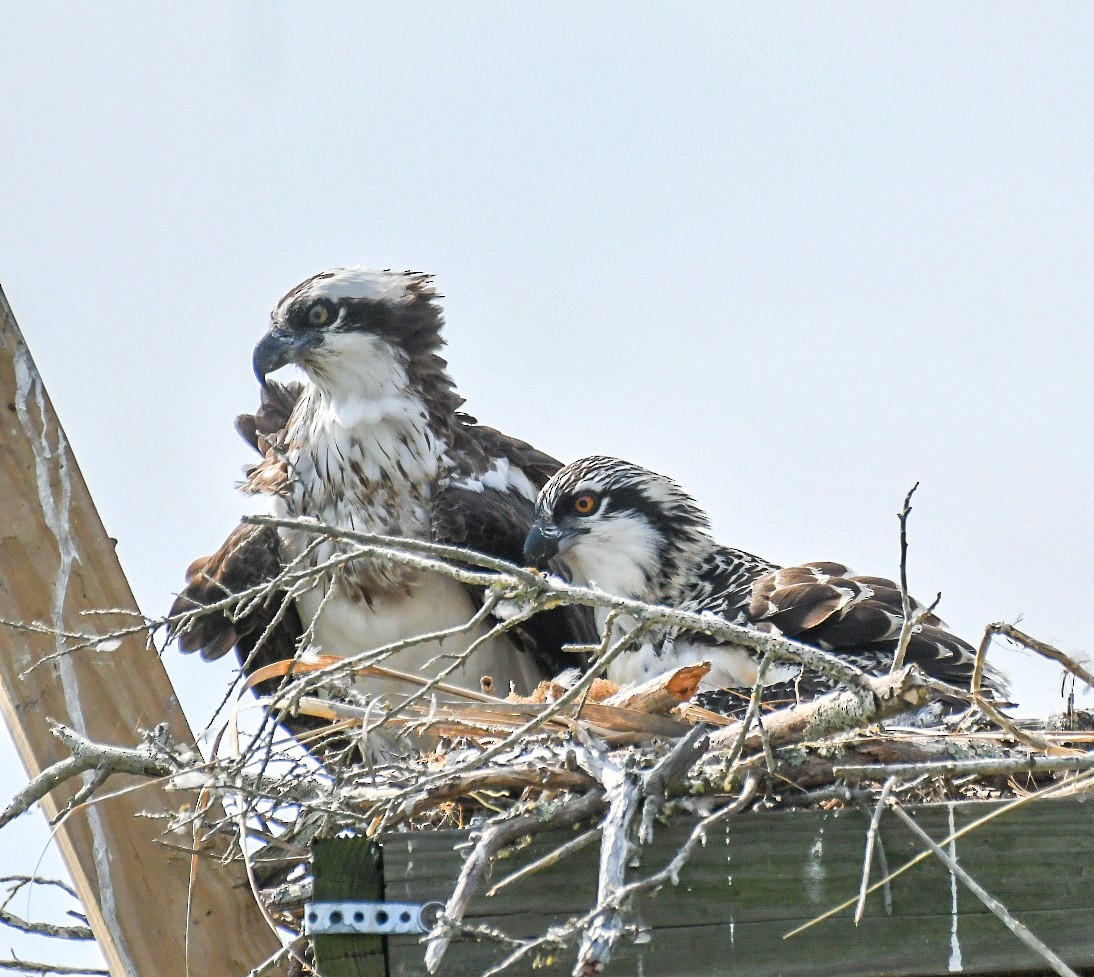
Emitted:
pixel 585 505
pixel 319 314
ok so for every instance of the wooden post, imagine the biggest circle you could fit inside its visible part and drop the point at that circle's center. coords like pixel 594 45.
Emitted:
pixel 349 868
pixel 57 561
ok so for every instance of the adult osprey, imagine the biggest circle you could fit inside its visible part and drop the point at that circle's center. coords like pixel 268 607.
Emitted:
pixel 636 534
pixel 373 441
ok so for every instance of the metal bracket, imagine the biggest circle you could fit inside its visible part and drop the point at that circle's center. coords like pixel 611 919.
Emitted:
pixel 328 918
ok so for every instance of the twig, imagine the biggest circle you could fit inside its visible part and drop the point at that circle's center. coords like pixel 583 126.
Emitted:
pixel 993 904
pixel 375 542
pixel 745 725
pixel 517 776
pixel 581 841
pixel 666 775
pixel 905 598
pixel 662 693
pixel 990 767
pixel 290 895
pixel 142 761
pixel 436 557
pixel 489 749
pixel 557 936
pixel 46 929
pixel 291 951
pixel 988 707
pixel 29 967
pixel 1043 649
pixel 606 926
pixel 868 857
pixel 571 694
pixel 910 621
pixel 887 888
pixel 24 880
pixel 495 837
pixel 248 864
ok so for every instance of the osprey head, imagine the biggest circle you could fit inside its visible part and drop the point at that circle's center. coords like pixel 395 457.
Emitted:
pixel 620 527
pixel 356 332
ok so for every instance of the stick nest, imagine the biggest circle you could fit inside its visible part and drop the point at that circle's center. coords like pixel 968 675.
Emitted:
pixel 617 763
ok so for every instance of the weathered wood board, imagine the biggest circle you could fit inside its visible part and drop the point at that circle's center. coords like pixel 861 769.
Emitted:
pixel 57 564
pixel 762 874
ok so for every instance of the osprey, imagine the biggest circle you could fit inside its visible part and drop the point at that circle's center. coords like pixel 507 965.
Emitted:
pixel 636 534
pixel 373 441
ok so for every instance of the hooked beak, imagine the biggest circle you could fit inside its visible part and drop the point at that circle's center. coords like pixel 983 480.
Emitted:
pixel 279 348
pixel 541 545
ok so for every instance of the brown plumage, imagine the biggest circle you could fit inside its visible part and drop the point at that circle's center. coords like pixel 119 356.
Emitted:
pixel 372 441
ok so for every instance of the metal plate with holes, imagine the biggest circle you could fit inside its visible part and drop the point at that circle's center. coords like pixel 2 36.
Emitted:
pixel 329 918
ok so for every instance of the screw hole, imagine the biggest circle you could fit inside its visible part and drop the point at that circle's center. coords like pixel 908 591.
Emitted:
pixel 358 917
pixel 382 917
pixel 313 917
pixel 404 917
pixel 336 917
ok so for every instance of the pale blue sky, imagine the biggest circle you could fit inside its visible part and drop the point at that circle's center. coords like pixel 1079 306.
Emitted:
pixel 798 256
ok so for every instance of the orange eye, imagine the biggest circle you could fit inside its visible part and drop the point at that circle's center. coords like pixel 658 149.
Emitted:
pixel 584 504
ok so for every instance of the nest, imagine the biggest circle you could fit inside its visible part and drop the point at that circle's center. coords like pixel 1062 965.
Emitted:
pixel 618 762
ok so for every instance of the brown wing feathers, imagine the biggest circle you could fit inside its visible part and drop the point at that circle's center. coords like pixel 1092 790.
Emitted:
pixel 249 557
pixel 828 600
pixel 272 416
pixel 858 616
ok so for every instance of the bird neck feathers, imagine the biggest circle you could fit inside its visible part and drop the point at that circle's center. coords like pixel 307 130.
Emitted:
pixel 632 558
pixel 681 559
pixel 355 458
pixel 618 556
pixel 362 452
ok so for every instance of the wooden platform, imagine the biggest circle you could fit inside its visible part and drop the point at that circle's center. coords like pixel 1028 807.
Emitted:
pixel 758 876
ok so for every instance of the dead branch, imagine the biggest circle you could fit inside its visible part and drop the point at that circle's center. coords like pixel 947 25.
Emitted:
pixel 606 926
pixel 560 935
pixel 871 838
pixel 745 726
pixel 521 583
pixel 667 776
pixel 662 693
pixel 30 967
pixel 572 755
pixel 805 765
pixel 46 929
pixel 627 792
pixel 493 839
pixel 907 624
pixel 610 652
pixel 512 777
pixel 1043 649
pixel 836 712
pixel 986 706
pixel 142 761
pixel 19 881
pixel 989 767
pixel 551 858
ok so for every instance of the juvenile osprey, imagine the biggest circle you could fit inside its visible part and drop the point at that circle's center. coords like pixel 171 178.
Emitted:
pixel 636 534
pixel 373 441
